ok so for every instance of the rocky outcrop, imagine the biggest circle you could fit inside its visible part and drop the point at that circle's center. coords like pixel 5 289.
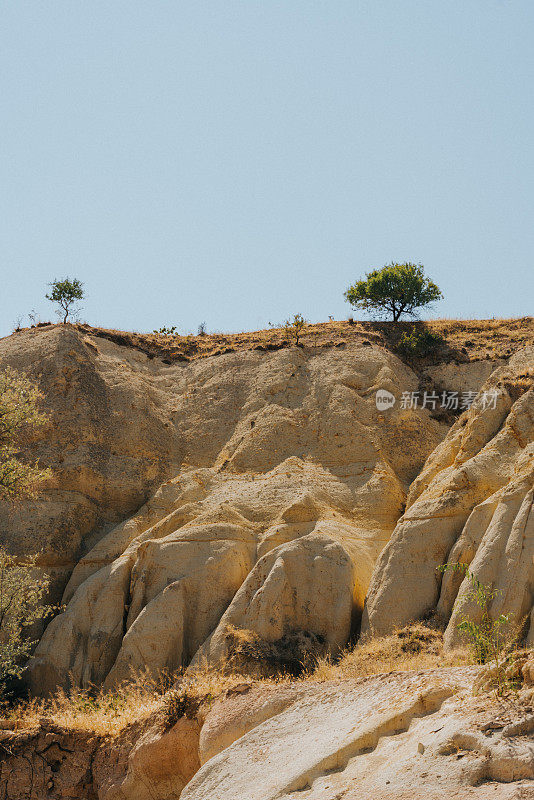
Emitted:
pixel 284 485
pixel 472 503
pixel 49 762
pixel 305 585
pixel 150 759
pixel 123 421
pixel 413 736
pixel 419 735
pixel 159 765
pixel 283 476
pixel 110 442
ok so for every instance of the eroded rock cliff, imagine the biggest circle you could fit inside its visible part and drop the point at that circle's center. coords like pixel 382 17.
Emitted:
pixel 472 503
pixel 287 482
pixel 259 490
pixel 415 736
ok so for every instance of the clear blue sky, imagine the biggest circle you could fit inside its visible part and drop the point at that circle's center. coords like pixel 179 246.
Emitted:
pixel 238 161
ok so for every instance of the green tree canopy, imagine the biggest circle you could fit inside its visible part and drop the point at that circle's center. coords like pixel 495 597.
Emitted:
pixel 19 418
pixel 22 588
pixel 65 292
pixel 395 289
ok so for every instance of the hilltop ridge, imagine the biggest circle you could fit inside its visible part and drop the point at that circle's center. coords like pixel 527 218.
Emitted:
pixel 463 340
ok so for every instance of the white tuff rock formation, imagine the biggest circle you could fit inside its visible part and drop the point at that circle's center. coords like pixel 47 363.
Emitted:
pixel 472 503
pixel 282 490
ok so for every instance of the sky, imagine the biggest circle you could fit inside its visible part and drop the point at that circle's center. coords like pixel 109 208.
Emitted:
pixel 235 162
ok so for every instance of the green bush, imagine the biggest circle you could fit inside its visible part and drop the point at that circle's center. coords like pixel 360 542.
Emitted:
pixel 22 590
pixel 419 343
pixel 295 326
pixel 167 331
pixel 21 586
pixel 20 417
pixel 489 638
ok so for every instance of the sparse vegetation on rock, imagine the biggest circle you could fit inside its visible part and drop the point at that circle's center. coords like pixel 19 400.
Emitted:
pixel 20 417
pixel 489 637
pixel 294 328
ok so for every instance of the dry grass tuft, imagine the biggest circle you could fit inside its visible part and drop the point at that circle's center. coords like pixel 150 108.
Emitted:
pixel 292 654
pixel 99 712
pixel 108 713
pixel 415 647
pixel 517 386
pixel 198 688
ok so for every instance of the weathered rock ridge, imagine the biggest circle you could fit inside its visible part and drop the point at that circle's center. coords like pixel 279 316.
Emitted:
pixel 280 485
pixel 472 503
pixel 418 736
pixel 287 482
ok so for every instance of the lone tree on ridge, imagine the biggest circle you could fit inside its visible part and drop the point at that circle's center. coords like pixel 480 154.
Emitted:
pixel 395 289
pixel 65 292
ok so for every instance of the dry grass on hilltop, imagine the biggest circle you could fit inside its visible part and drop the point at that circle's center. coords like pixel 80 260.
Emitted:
pixel 463 340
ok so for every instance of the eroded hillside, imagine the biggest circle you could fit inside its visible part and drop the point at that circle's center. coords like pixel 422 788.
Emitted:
pixel 252 494
pixel 472 503
pixel 418 735
pixel 284 483
pixel 280 482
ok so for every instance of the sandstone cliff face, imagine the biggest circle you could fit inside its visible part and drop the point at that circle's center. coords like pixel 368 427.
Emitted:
pixel 284 484
pixel 265 491
pixel 417 736
pixel 472 503
pixel 110 443
pixel 259 490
